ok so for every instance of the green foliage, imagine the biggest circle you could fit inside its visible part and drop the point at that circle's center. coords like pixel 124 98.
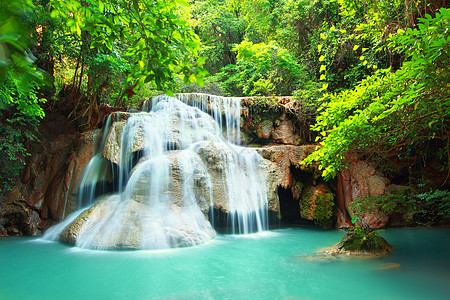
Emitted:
pixel 427 208
pixel 108 74
pixel 433 208
pixel 401 203
pixel 390 111
pixel 362 239
pixel 261 69
pixel 220 25
pixel 13 134
pixel 323 212
pixel 19 78
pixel 20 81
pixel 211 86
pixel 155 37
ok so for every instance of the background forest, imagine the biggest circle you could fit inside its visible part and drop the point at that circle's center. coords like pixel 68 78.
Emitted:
pixel 374 75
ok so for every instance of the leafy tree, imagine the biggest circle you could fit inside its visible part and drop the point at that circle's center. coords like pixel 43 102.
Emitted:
pixel 19 84
pixel 390 112
pixel 117 47
pixel 155 37
pixel 220 24
pixel 19 78
pixel 261 69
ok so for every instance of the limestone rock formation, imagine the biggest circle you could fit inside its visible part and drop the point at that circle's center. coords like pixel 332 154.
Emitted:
pixel 175 171
pixel 361 179
pixel 284 133
pixel 215 158
pixel 102 227
pixel 49 187
pixel 264 129
pixel 285 157
pixel 316 204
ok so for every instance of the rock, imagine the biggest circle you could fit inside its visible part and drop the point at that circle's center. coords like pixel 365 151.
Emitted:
pixel 173 184
pixel 117 224
pixel 168 198
pixel 316 203
pixel 3 232
pixel 120 116
pixel 376 219
pixel 61 196
pixel 297 190
pixel 264 129
pixel 111 149
pixel 19 218
pixel 342 222
pixel 284 133
pixel 214 156
pixel 388 266
pixel 285 157
pixel 361 179
pixel 50 181
pixel 361 244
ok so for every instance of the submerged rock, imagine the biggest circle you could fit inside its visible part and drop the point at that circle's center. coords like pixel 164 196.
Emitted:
pixel 388 266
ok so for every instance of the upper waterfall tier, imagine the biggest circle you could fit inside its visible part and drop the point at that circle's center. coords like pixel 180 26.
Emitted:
pixel 224 110
pixel 169 170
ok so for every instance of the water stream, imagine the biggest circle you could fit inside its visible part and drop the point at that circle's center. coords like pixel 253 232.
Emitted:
pixel 160 175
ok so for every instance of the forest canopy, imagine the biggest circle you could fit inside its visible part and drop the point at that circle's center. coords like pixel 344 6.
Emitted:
pixel 375 72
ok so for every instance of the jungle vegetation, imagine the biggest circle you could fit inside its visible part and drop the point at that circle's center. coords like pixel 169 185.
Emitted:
pixel 376 73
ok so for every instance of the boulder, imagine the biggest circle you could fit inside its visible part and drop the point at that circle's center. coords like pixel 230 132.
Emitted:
pixel 217 157
pixel 111 149
pixel 316 204
pixel 361 243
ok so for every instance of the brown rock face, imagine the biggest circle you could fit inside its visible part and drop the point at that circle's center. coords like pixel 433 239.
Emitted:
pixel 285 157
pixel 284 133
pixel 361 179
pixel 264 129
pixel 50 180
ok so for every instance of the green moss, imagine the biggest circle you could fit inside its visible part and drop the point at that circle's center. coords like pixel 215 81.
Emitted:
pixel 360 240
pixel 324 209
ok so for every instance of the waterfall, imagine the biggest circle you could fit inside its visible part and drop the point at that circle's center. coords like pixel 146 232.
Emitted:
pixel 161 175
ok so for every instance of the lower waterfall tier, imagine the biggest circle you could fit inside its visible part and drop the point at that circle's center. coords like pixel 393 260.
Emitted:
pixel 165 196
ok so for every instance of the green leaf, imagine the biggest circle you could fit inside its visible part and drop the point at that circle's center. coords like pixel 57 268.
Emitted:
pixel 182 3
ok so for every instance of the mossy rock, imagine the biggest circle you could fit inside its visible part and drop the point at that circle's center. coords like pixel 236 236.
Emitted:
pixel 356 243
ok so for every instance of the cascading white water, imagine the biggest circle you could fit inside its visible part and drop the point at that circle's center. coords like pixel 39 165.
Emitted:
pixel 174 168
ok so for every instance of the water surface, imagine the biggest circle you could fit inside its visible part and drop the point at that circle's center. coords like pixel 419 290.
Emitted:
pixel 271 265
